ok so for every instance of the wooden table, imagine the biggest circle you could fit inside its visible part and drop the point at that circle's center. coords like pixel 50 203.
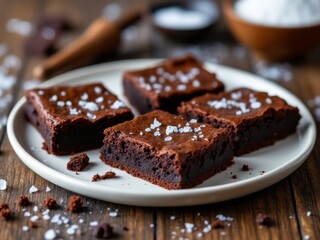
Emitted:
pixel 293 203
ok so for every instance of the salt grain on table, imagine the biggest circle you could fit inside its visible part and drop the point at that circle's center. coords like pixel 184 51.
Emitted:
pixel 50 234
pixel 33 189
pixel 3 184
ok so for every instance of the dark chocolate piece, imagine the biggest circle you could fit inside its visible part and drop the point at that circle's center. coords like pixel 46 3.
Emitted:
pixel 71 119
pixel 23 201
pixel 166 150
pixel 255 119
pixel 78 162
pixel 168 84
pixel 103 231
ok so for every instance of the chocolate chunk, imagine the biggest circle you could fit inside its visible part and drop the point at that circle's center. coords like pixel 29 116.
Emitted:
pixel 78 162
pixel 50 203
pixel 4 211
pixel 217 224
pixel 109 174
pixel 75 204
pixel 234 176
pixel 245 167
pixel 103 230
pixel 263 219
pixel 23 201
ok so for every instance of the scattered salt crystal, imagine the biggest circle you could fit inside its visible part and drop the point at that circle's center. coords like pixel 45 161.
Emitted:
pixel 81 221
pixel 113 214
pixel 117 104
pixel 151 225
pixel 168 138
pixel 93 223
pixel 148 130
pixel 141 133
pixel 46 211
pixel 181 87
pixel 255 105
pixel 34 218
pixel 172 217
pixel 196 83
pixel 40 92
pixel 3 184
pixel 223 233
pixel 35 208
pixel 157 133
pixel 91 116
pixel 63 93
pixel 53 98
pixel 155 124
pixel 99 100
pixel 61 103
pixel 189 227
pixel 193 120
pixel 200 235
pixel 46 217
pixel 33 189
pixel 171 129
pixel 97 90
pixel 50 234
pixel 48 189
pixel 91 106
pixel 27 214
pixel 160 71
pixel 84 96
pixel 74 111
pixel 72 229
pixel 306 237
pixel 223 218
pixel 268 100
pixel 12 61
pixel 309 213
pixel 25 228
pixel 20 27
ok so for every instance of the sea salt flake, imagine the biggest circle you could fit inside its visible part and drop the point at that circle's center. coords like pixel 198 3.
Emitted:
pixel 74 111
pixel 53 98
pixel 99 100
pixel 189 227
pixel 91 116
pixel 34 218
pixel 117 104
pixel 268 100
pixel 50 234
pixel 97 90
pixel 157 133
pixel 193 120
pixel 181 87
pixel 46 217
pixel 93 223
pixel 207 229
pixel 160 71
pixel 148 129
pixel 25 228
pixel 308 213
pixel 84 96
pixel 256 105
pixel 167 88
pixel 113 214
pixel 27 214
pixel 3 184
pixel 168 138
pixel 40 92
pixel 172 218
pixel 91 106
pixel 171 129
pixel 35 208
pixel 72 229
pixel 155 124
pixel 48 189
pixel 33 189
pixel 153 79
pixel 63 93
pixel 61 103
pixel 195 83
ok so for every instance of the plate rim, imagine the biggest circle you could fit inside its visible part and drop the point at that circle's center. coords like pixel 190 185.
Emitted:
pixel 273 175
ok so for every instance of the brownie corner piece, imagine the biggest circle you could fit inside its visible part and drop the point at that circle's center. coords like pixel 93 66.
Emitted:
pixel 167 84
pixel 166 150
pixel 71 119
pixel 255 118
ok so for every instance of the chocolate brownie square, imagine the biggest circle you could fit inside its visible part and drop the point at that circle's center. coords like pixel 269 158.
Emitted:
pixel 71 119
pixel 166 85
pixel 255 119
pixel 166 150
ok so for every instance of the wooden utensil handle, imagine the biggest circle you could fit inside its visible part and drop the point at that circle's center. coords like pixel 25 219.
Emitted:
pixel 101 37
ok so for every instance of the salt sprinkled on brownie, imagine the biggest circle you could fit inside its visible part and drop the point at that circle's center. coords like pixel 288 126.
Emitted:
pixel 117 104
pixel 33 189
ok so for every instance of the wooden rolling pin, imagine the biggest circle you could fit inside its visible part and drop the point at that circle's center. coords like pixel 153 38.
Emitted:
pixel 101 37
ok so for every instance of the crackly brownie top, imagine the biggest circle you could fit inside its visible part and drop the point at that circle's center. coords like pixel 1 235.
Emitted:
pixel 178 75
pixel 163 131
pixel 238 104
pixel 64 103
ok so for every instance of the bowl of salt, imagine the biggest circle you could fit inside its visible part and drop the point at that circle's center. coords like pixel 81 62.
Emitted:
pixel 275 30
pixel 185 20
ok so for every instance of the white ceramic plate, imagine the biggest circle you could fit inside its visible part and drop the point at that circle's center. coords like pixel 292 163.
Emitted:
pixel 267 166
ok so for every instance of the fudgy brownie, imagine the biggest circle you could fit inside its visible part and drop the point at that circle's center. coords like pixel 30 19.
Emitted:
pixel 166 150
pixel 166 85
pixel 254 118
pixel 71 119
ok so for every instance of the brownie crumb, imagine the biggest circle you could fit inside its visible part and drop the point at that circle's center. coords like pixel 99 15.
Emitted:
pixel 125 228
pixel 23 201
pixel 50 203
pixel 4 211
pixel 216 224
pixel 75 204
pixel 109 174
pixel 245 167
pixel 103 230
pixel 262 172
pixel 234 177
pixel 33 224
pixel 263 219
pixel 78 162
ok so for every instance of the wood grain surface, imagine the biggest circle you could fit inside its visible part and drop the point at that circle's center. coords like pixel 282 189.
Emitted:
pixel 292 204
